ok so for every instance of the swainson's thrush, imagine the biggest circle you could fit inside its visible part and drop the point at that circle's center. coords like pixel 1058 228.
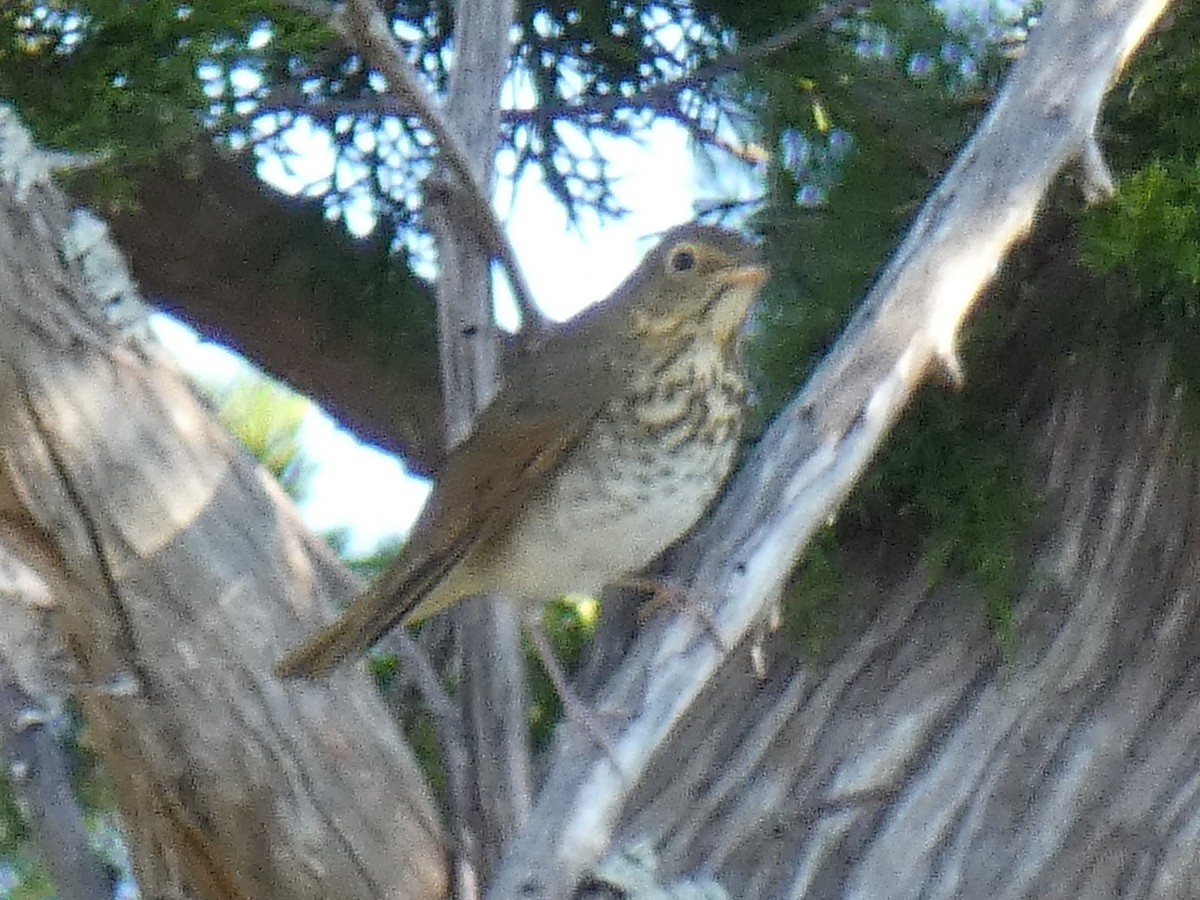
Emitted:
pixel 604 446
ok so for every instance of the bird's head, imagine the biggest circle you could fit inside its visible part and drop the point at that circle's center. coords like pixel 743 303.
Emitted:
pixel 700 279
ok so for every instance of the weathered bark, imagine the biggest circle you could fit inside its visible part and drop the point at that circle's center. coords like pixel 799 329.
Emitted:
pixel 807 461
pixel 919 760
pixel 179 571
pixel 913 763
pixel 494 799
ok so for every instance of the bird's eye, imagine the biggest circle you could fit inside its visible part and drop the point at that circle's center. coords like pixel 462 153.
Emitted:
pixel 682 260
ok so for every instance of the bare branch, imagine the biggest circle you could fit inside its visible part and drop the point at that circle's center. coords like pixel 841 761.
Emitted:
pixel 490 807
pixel 33 681
pixel 817 448
pixel 367 28
pixel 40 778
pixel 1098 184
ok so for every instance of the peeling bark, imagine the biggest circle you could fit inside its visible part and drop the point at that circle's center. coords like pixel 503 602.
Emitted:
pixel 804 466
pixel 178 571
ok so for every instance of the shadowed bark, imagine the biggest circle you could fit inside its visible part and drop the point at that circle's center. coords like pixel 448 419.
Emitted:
pixel 178 571
pixel 918 760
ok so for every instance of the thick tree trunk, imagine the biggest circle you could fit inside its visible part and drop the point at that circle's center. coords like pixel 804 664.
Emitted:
pixel 660 698
pixel 179 571
pixel 919 760
pixel 266 275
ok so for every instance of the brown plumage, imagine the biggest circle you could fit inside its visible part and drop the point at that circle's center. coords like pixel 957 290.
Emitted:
pixel 605 445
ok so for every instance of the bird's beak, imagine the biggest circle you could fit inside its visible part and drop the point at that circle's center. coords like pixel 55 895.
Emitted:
pixel 752 277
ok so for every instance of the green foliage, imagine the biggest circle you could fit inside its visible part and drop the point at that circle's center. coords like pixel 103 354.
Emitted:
pixel 32 882
pixel 372 294
pixel 948 486
pixel 1149 237
pixel 423 738
pixel 13 831
pixel 1152 112
pixel 127 77
pixel 266 417
pixel 951 475
pixel 830 227
pixel 418 724
pixel 598 55
pixel 145 80
pixel 812 613
pixel 569 623
pixel 1151 232
pixel 88 779
pixel 1146 240
pixel 408 707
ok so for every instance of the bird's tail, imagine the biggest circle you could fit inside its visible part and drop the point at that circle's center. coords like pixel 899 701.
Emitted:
pixel 404 593
pixel 363 623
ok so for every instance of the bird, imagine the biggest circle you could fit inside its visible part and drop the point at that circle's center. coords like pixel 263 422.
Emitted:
pixel 607 441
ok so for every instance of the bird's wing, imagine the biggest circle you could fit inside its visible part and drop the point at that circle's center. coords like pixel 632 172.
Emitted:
pixel 518 442
pixel 553 392
pixel 491 477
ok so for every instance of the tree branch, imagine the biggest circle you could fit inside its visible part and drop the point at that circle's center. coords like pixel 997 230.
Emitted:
pixel 367 28
pixel 490 806
pixel 816 449
pixel 411 99
pixel 34 681
pixel 41 783
pixel 180 571
pixel 653 97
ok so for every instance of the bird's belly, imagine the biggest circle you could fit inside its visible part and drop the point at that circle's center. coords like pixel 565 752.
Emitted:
pixel 611 510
